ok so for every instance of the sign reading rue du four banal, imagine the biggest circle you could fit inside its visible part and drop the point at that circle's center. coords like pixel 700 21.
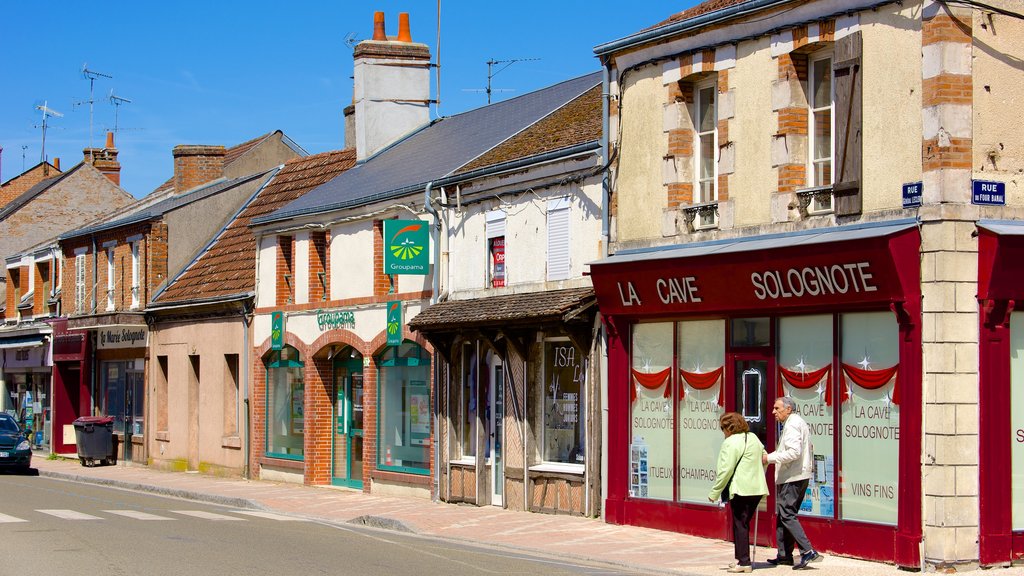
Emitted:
pixel 748 282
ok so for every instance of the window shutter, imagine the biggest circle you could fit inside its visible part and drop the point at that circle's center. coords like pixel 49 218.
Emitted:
pixel 558 239
pixel 79 282
pixel 846 68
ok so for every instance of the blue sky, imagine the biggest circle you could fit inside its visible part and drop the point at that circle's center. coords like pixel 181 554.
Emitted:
pixel 224 72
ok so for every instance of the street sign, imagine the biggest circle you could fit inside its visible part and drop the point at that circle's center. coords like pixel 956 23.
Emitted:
pixel 405 247
pixel 988 193
pixel 912 194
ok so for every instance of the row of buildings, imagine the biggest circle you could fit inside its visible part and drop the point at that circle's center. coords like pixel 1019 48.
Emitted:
pixel 544 304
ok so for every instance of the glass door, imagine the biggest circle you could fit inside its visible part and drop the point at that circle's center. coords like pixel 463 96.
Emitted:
pixel 754 386
pixel 348 424
pixel 497 429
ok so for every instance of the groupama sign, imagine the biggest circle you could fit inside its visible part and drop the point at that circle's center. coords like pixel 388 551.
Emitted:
pixel 405 247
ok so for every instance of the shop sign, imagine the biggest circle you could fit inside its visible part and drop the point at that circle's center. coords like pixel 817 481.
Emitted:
pixel 277 330
pixel 748 280
pixel 394 328
pixel 26 357
pixel 335 320
pixel 912 194
pixel 405 247
pixel 131 336
pixel 988 193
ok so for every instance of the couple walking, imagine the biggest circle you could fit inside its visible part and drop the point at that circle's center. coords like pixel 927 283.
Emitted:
pixel 740 480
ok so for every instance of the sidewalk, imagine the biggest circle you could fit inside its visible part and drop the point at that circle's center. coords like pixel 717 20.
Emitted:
pixel 644 550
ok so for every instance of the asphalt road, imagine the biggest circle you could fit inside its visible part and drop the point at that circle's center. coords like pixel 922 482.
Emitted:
pixel 49 526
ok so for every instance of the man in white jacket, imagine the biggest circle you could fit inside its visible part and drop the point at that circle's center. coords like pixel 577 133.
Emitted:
pixel 794 465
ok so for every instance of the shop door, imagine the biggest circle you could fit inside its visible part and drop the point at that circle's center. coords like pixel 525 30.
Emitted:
pixel 497 429
pixel 753 389
pixel 134 401
pixel 348 424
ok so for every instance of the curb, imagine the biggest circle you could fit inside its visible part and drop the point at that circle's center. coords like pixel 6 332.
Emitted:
pixel 158 490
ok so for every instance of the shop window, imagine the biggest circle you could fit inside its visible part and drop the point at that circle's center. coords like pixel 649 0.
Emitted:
pixel 819 100
pixel 565 371
pixel 467 398
pixel 701 353
pixel 79 283
pixel 558 238
pixel 285 412
pixel 1017 421
pixel 496 275
pixel 651 417
pixel 403 409
pixel 750 332
pixel 230 394
pixel 870 434
pixel 705 132
pixel 112 393
pixel 805 363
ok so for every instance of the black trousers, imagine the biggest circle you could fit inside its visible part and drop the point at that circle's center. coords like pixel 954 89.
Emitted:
pixel 743 510
pixel 788 531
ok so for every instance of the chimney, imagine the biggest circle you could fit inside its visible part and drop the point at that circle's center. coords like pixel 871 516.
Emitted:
pixel 103 159
pixel 195 165
pixel 391 92
pixel 56 163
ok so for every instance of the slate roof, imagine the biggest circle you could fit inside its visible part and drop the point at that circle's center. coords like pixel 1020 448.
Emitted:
pixel 508 309
pixel 227 267
pixel 435 151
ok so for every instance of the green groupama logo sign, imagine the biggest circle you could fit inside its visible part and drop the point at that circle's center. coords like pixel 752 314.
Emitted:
pixel 405 247
pixel 395 323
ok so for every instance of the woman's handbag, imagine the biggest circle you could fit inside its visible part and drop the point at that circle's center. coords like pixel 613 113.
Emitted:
pixel 725 491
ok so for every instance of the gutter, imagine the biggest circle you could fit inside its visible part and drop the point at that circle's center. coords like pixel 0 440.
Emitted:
pixel 200 302
pixel 435 287
pixel 446 181
pixel 676 28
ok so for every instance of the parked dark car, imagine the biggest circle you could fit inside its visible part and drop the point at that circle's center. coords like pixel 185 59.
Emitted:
pixel 15 449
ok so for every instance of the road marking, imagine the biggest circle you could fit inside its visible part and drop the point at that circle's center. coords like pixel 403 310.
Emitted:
pixel 4 518
pixel 70 515
pixel 138 515
pixel 207 515
pixel 270 516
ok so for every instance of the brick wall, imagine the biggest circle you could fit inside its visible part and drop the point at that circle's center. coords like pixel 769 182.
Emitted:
pixel 382 283
pixel 317 266
pixel 285 270
pixel 196 165
pixel 20 184
pixel 152 271
pixel 14 290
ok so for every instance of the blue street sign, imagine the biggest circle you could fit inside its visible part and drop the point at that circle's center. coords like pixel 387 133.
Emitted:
pixel 912 194
pixel 988 193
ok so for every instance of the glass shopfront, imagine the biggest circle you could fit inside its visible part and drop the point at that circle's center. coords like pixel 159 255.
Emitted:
pixel 565 381
pixel 285 409
pixel 403 410
pixel 1017 421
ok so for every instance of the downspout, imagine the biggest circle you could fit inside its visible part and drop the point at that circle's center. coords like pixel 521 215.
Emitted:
pixel 605 184
pixel 246 324
pixel 435 229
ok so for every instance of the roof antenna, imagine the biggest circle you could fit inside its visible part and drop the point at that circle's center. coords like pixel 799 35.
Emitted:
pixel 351 39
pixel 491 73
pixel 91 76
pixel 117 101
pixel 24 148
pixel 47 112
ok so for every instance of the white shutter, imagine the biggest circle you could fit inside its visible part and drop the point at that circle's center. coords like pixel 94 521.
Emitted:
pixel 558 239
pixel 495 223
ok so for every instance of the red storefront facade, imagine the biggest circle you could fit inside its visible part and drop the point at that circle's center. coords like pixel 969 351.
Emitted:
pixel 831 317
pixel 1001 391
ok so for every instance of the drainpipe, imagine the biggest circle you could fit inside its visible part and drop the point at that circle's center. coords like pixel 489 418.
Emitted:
pixel 246 323
pixel 605 184
pixel 435 288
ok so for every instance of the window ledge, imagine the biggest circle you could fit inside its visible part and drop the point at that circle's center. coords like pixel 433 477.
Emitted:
pixel 231 442
pixel 163 436
pixel 464 462
pixel 807 196
pixel 558 468
pixel 693 214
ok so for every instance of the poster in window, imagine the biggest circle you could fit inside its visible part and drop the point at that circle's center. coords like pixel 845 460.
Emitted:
pixel 565 377
pixel 297 410
pixel 419 413
pixel 497 248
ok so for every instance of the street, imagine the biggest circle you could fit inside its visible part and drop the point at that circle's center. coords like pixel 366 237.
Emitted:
pixel 50 526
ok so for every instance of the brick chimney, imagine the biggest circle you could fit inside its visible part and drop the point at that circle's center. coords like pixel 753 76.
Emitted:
pixel 104 159
pixel 391 92
pixel 195 165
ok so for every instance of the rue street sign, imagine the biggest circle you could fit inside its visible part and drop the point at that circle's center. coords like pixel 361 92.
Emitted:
pixel 912 195
pixel 405 247
pixel 988 193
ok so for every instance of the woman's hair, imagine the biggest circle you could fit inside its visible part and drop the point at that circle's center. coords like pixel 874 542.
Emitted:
pixel 733 423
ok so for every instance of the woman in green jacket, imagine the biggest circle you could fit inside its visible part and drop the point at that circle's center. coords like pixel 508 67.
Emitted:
pixel 739 468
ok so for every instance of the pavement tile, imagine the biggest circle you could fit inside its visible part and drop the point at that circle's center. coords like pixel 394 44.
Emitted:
pixel 644 550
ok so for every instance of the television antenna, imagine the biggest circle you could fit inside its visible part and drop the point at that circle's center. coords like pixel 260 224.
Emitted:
pixel 91 76
pixel 47 113
pixel 351 39
pixel 24 147
pixel 491 73
pixel 117 101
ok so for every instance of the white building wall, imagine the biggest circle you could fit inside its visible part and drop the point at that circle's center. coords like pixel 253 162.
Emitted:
pixel 351 260
pixel 266 272
pixel 302 247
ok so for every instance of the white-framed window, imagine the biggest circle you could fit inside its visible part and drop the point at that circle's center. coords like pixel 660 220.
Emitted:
pixel 558 238
pixel 135 274
pixel 705 130
pixel 110 278
pixel 79 283
pixel 495 233
pixel 820 129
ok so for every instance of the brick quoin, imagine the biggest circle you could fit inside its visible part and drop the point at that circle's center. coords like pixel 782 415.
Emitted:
pixel 285 270
pixel 381 282
pixel 944 28
pixel 956 156
pixel 947 89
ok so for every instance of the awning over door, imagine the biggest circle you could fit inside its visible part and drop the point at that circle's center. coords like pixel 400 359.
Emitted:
pixel 1000 253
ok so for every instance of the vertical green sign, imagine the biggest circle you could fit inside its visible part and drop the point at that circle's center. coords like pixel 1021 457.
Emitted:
pixel 276 330
pixel 394 323
pixel 405 247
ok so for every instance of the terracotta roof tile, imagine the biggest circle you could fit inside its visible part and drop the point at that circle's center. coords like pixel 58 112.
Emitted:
pixel 528 307
pixel 578 122
pixel 699 9
pixel 228 267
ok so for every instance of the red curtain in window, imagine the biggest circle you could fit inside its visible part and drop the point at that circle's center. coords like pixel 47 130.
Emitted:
pixel 805 380
pixel 702 381
pixel 650 381
pixel 870 379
